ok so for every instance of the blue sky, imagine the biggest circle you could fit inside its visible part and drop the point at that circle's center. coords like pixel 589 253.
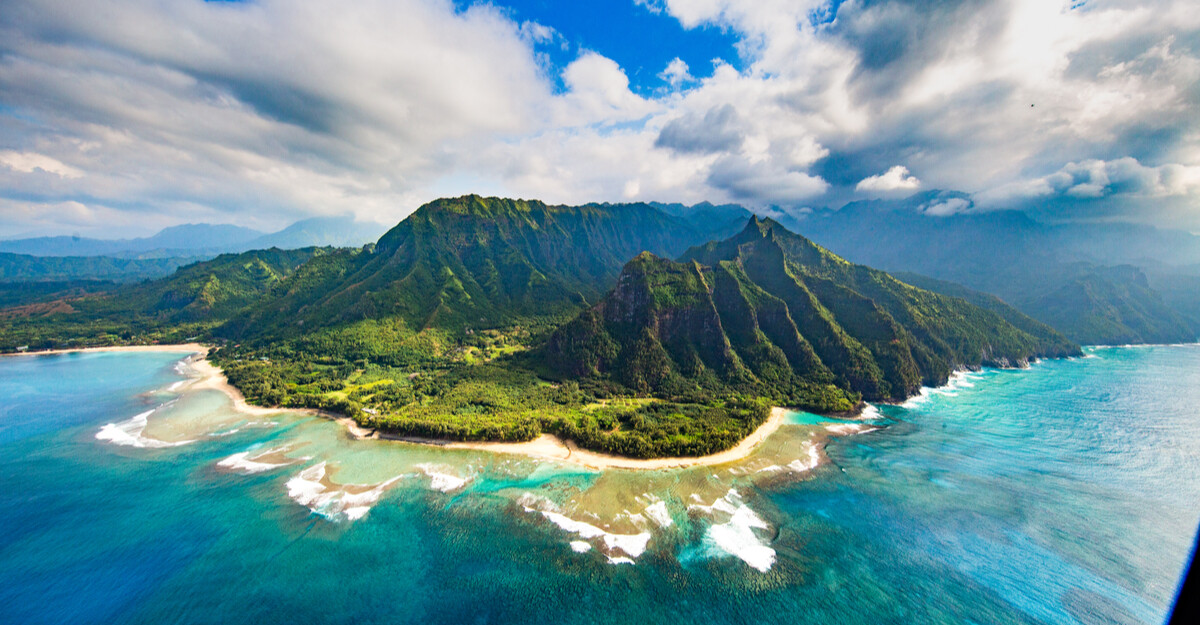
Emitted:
pixel 641 41
pixel 120 117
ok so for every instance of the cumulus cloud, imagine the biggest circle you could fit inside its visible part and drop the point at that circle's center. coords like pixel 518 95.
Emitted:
pixel 265 111
pixel 895 179
pixel 677 73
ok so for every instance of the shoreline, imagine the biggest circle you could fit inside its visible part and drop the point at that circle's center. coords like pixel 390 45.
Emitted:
pixel 551 447
pixel 545 447
pixel 170 347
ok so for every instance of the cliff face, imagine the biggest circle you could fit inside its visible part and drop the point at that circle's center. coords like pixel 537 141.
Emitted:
pixel 769 312
pixel 473 262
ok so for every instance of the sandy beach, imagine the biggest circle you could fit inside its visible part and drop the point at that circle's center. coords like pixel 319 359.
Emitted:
pixel 546 446
pixel 179 347
pixel 551 447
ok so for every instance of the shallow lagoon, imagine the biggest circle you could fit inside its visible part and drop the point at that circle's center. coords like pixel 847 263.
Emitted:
pixel 1065 493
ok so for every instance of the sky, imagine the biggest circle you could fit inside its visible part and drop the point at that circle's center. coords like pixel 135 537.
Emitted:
pixel 120 117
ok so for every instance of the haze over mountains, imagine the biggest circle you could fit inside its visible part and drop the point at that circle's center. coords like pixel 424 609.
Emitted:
pixel 1109 283
pixel 194 240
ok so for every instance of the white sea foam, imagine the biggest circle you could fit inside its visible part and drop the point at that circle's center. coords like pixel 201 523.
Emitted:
pixel 443 482
pixel 129 433
pixel 658 513
pixel 308 489
pixel 581 546
pixel 725 504
pixel 849 429
pixel 958 380
pixel 239 428
pixel 808 462
pixel 176 385
pixel 630 545
pixel 870 413
pixel 244 462
pixel 737 536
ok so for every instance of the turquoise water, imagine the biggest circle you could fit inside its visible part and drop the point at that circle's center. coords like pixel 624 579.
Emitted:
pixel 1066 493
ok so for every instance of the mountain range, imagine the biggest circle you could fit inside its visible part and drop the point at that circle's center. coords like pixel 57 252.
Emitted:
pixel 497 319
pixel 204 240
pixel 769 312
pixel 1098 283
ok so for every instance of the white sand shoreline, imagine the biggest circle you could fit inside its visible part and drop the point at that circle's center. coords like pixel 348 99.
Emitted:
pixel 546 446
pixel 174 347
pixel 551 447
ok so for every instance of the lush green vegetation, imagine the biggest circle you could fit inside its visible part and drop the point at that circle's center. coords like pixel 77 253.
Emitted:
pixel 24 268
pixel 189 304
pixel 494 400
pixel 1113 305
pixel 769 313
pixel 488 319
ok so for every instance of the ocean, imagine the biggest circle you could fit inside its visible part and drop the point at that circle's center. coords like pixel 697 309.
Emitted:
pixel 1068 492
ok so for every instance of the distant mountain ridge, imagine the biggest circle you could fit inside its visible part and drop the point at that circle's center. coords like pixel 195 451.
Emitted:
pixel 1061 274
pixel 197 240
pixel 25 268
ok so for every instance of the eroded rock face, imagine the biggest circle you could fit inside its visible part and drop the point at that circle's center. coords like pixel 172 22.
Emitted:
pixel 769 311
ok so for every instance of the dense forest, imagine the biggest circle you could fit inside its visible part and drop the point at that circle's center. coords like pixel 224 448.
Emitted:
pixel 492 319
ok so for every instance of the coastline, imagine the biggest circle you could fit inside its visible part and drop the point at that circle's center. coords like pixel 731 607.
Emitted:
pixel 546 446
pixel 173 347
pixel 551 447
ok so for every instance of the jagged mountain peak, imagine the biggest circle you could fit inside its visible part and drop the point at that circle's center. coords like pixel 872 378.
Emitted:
pixel 769 312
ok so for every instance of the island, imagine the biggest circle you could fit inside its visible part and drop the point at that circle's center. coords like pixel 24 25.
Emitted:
pixel 620 329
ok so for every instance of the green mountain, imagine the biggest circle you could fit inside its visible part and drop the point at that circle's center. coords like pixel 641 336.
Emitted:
pixel 26 268
pixel 771 313
pixel 1067 275
pixel 492 319
pixel 468 263
pixel 1113 305
pixel 193 299
pixel 983 300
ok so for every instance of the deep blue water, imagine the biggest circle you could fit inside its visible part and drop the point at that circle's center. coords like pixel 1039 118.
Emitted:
pixel 1066 493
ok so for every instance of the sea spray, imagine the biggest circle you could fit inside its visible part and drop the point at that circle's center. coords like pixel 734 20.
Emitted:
pixel 311 488
pixel 440 480
pixel 129 433
pixel 736 536
pixel 249 462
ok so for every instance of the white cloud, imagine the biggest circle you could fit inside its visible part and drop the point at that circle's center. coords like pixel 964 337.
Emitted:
pixel 895 179
pixel 30 162
pixel 946 208
pixel 599 93
pixel 676 74
pixel 271 110
pixel 1094 178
